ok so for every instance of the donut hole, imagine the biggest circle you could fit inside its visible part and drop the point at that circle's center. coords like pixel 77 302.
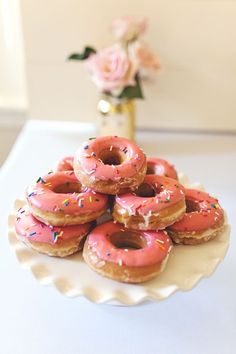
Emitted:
pixel 112 156
pixel 146 190
pixel 151 170
pixel 155 170
pixel 67 188
pixel 128 240
pixel 191 206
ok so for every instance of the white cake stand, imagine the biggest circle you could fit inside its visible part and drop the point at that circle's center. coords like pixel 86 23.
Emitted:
pixel 72 277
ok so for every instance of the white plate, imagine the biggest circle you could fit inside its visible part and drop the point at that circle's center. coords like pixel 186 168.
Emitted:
pixel 72 277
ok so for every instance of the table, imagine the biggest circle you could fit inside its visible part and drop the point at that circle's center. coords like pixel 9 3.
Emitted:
pixel 39 320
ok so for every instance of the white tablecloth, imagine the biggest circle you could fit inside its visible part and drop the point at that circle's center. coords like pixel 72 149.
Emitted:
pixel 38 320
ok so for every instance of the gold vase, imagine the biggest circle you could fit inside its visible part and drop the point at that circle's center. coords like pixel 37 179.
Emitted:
pixel 116 117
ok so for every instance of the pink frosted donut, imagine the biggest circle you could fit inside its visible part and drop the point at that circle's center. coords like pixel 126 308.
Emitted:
pixel 51 240
pixel 126 255
pixel 158 202
pixel 110 164
pixel 59 199
pixel 204 219
pixel 65 164
pixel 160 167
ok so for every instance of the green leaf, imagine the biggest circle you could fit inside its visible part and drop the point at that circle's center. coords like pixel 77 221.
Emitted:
pixel 132 91
pixel 84 55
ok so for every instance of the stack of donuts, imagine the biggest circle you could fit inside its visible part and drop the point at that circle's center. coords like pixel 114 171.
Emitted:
pixel 110 178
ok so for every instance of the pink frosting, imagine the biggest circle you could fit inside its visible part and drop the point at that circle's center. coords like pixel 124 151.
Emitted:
pixel 65 164
pixel 90 164
pixel 34 230
pixel 42 196
pixel 161 167
pixel 207 215
pixel 168 192
pixel 158 245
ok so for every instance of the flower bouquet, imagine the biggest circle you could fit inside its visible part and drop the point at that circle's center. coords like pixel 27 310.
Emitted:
pixel 117 71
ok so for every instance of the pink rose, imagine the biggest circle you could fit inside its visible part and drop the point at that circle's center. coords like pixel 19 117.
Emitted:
pixel 143 56
pixel 128 28
pixel 111 69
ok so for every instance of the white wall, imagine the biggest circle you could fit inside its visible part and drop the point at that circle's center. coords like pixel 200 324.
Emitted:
pixel 195 39
pixel 13 96
pixel 12 76
pixel 11 123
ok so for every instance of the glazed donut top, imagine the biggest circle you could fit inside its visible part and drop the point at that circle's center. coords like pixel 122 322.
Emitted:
pixel 155 245
pixel 110 158
pixel 34 230
pixel 165 192
pixel 160 167
pixel 48 195
pixel 204 213
pixel 65 164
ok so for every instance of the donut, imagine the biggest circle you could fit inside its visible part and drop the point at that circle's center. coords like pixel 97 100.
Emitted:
pixel 65 164
pixel 59 199
pixel 157 203
pixel 50 240
pixel 130 256
pixel 203 220
pixel 160 167
pixel 110 164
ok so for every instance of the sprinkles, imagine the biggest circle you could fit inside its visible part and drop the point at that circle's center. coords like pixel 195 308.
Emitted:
pixel 159 243
pixel 92 171
pixel 215 206
pixel 40 179
pixel 66 202
pixel 56 235
pixel 167 200
pixel 80 203
pixel 32 194
pixel 120 262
